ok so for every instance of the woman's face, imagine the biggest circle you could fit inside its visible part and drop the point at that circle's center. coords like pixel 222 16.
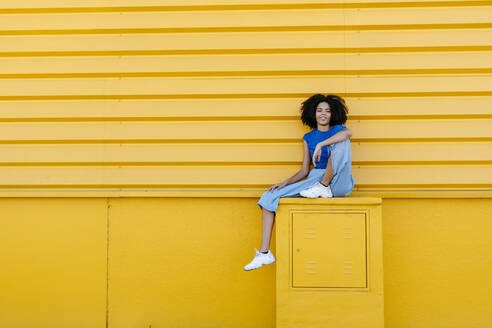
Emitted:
pixel 323 114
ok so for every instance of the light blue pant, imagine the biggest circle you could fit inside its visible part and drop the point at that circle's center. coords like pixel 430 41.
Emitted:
pixel 341 185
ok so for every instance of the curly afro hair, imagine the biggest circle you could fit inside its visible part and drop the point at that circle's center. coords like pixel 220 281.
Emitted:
pixel 337 107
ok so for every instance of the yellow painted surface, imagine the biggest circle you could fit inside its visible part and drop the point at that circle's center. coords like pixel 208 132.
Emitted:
pixel 179 264
pixel 180 114
pixel 330 268
pixel 202 95
pixel 53 255
pixel 318 238
pixel 179 261
pixel 437 262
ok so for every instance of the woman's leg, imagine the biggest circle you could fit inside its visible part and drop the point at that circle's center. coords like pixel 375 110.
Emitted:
pixel 269 203
pixel 270 199
pixel 342 182
pixel 267 257
pixel 267 218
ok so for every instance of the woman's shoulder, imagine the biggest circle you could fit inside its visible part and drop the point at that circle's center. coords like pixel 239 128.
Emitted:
pixel 307 136
pixel 337 128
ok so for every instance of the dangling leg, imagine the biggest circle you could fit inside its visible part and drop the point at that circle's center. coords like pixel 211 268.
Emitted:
pixel 267 218
pixel 269 203
pixel 270 200
pixel 260 258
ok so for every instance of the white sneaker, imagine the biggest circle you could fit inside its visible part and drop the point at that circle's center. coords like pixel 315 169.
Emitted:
pixel 259 260
pixel 317 190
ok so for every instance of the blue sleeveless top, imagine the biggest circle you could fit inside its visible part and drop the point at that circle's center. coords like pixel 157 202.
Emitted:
pixel 316 136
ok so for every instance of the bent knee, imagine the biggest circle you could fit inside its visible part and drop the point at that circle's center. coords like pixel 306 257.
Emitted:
pixel 341 144
pixel 268 195
pixel 341 191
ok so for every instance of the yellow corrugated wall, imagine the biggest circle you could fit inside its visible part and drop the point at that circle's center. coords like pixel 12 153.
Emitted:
pixel 200 94
pixel 113 111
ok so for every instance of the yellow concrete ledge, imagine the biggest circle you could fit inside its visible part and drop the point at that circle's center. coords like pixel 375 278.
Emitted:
pixel 229 194
pixel 332 201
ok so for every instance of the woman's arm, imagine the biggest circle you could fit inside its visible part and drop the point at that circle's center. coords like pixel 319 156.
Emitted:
pixel 337 137
pixel 301 174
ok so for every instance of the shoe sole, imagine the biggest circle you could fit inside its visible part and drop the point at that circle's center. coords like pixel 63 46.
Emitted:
pixel 259 266
pixel 320 196
pixel 305 196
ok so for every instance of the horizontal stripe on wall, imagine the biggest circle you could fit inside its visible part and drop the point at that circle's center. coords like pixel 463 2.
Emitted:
pixel 298 40
pixel 407 177
pixel 177 131
pixel 462 107
pixel 205 154
pixel 10 6
pixel 342 19
pixel 248 65
pixel 375 85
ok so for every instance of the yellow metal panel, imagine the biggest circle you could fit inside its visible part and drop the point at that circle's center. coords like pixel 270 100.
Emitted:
pixel 254 18
pixel 230 41
pixel 111 3
pixel 267 153
pixel 53 255
pixel 435 139
pixel 266 64
pixel 437 262
pixel 438 62
pixel 281 130
pixel 179 263
pixel 377 53
pixel 331 300
pixel 259 64
pixel 363 153
pixel 399 107
pixel 172 41
pixel 421 152
pixel 172 19
pixel 423 177
pixel 417 38
pixel 244 86
pixel 231 193
pixel 328 249
pixel 352 201
pixel 159 131
pixel 426 241
pixel 270 108
pixel 258 177
pixel 243 108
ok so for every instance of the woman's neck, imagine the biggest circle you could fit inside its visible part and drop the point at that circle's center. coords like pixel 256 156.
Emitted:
pixel 323 128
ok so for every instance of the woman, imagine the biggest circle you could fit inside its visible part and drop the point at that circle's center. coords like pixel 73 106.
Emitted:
pixel 331 175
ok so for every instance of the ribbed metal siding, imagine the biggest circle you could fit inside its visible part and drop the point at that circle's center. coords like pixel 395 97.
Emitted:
pixel 161 95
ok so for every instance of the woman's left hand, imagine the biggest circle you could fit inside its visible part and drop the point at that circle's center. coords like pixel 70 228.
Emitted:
pixel 317 154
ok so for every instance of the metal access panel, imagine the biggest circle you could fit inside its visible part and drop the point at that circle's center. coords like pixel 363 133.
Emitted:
pixel 329 263
pixel 329 250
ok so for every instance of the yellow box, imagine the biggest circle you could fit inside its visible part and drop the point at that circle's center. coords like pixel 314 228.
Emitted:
pixel 329 263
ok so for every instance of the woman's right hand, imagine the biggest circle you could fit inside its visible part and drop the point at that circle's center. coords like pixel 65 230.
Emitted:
pixel 277 186
pixel 317 154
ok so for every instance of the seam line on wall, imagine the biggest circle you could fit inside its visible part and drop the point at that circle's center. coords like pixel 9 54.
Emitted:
pixel 396 4
pixel 302 28
pixel 108 206
pixel 251 51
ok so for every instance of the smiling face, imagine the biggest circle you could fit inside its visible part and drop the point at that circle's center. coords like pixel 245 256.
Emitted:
pixel 323 114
